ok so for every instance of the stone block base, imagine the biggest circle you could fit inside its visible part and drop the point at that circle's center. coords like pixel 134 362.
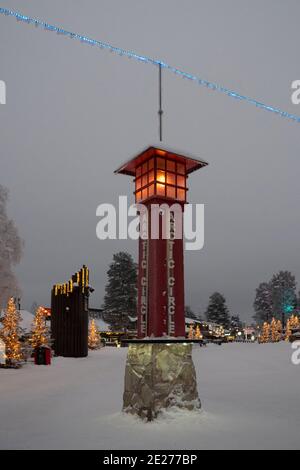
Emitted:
pixel 159 376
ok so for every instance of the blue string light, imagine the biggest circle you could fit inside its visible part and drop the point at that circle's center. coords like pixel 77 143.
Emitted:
pixel 148 60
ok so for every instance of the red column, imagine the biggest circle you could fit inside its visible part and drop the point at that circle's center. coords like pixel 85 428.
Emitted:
pixel 160 284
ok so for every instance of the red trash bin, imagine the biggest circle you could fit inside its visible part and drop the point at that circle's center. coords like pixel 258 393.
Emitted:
pixel 42 356
pixel 47 356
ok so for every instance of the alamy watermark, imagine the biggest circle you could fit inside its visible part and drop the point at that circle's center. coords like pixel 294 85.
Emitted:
pixel 296 355
pixel 296 94
pixel 2 92
pixel 153 221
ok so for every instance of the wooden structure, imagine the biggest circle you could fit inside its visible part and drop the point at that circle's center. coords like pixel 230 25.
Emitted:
pixel 70 315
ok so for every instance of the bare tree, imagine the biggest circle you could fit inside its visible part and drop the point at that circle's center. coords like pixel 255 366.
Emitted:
pixel 11 247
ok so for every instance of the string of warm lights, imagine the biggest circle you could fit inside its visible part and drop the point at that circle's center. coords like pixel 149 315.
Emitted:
pixel 148 60
pixel 40 332
pixel 79 279
pixel 94 339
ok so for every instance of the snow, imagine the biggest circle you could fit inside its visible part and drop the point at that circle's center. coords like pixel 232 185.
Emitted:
pixel 190 321
pixel 102 325
pixel 249 393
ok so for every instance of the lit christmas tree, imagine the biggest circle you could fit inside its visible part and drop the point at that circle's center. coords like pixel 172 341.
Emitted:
pixel 294 322
pixel 11 334
pixel 191 331
pixel 288 331
pixel 265 334
pixel 198 334
pixel 275 335
pixel 279 331
pixel 94 336
pixel 40 335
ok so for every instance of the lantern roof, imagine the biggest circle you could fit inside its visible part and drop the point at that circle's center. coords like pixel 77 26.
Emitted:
pixel 192 164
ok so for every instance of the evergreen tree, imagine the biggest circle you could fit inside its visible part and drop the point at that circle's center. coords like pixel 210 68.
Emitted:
pixel 263 303
pixel 40 335
pixel 298 303
pixel 288 332
pixel 11 334
pixel 94 336
pixel 191 331
pixel 276 330
pixel 120 291
pixel 10 251
pixel 265 334
pixel 283 288
pixel 198 334
pixel 279 330
pixel 217 310
pixel 294 322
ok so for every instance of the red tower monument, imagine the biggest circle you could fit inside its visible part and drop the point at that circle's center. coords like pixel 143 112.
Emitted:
pixel 161 186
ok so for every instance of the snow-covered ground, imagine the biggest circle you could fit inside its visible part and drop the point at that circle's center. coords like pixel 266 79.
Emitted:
pixel 250 395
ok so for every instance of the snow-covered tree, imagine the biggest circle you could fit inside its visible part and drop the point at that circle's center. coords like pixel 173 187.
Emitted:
pixel 94 336
pixel 11 334
pixel 40 335
pixel 263 303
pixel 121 291
pixel 217 310
pixel 10 252
pixel 283 288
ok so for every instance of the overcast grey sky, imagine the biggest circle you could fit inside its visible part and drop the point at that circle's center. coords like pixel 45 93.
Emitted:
pixel 74 113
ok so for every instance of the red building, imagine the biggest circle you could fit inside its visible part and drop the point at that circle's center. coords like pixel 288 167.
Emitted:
pixel 160 177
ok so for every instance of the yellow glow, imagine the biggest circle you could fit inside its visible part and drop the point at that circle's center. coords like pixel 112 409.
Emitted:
pixel 10 333
pixel 94 336
pixel 161 177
